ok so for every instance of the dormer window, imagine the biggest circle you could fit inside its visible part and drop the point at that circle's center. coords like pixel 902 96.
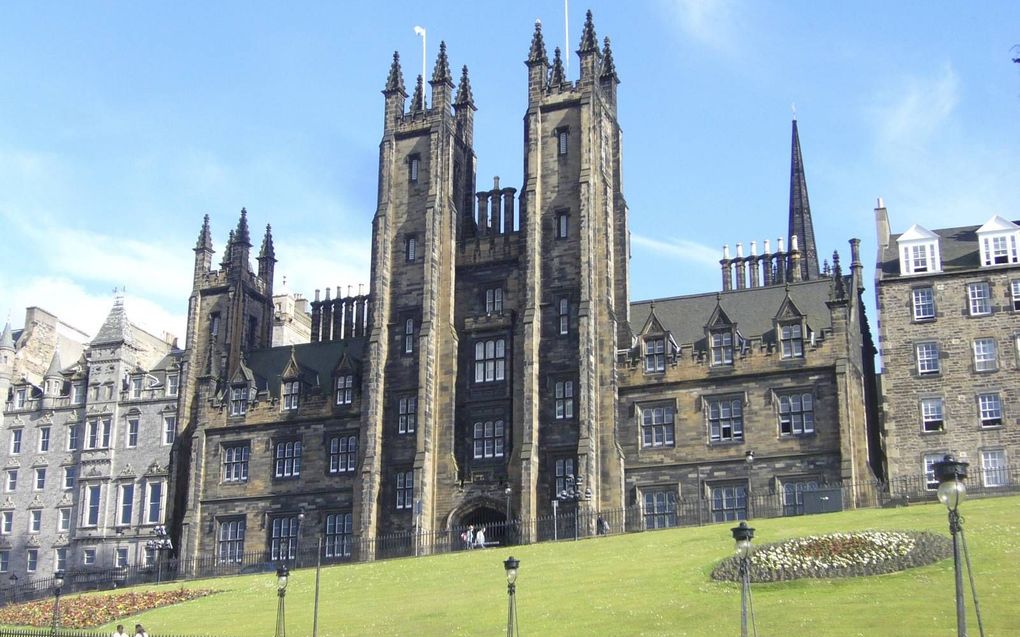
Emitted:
pixel 172 384
pixel 20 396
pixel 345 390
pixel 722 347
pixel 919 251
pixel 290 395
pixel 791 337
pixel 136 387
pixel 998 242
pixel 655 355
pixel 77 393
pixel 239 400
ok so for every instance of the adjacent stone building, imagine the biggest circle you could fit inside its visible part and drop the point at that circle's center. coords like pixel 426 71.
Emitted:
pixel 85 449
pixel 493 363
pixel 949 325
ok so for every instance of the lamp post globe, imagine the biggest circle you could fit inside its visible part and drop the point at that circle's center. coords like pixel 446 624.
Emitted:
pixel 742 536
pixel 950 474
pixel 510 565
pixel 282 575
pixel 58 583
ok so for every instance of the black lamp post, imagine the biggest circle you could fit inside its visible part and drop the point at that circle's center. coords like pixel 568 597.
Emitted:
pixel 573 492
pixel 511 566
pixel 58 583
pixel 158 545
pixel 743 534
pixel 950 474
pixel 749 459
pixel 14 587
pixel 281 591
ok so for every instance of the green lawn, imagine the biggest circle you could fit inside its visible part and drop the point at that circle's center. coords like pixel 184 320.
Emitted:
pixel 652 583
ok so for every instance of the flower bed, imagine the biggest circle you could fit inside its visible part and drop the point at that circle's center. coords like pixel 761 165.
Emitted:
pixel 840 555
pixel 88 611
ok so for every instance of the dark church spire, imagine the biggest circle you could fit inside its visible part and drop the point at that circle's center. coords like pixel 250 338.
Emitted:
pixel 241 235
pixel 800 213
pixel 556 75
pixel 204 237
pixel 418 99
pixel 537 54
pixel 608 65
pixel 589 41
pixel 464 96
pixel 395 81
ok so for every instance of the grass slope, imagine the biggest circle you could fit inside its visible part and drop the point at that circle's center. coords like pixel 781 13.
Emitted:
pixel 654 583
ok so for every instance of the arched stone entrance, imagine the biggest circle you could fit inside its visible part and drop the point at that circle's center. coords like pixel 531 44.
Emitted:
pixel 484 513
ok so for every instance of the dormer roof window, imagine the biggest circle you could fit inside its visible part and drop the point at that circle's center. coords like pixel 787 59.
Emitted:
pixel 919 251
pixel 998 240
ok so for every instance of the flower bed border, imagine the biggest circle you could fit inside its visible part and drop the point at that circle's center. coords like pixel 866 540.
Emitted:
pixel 928 549
pixel 98 608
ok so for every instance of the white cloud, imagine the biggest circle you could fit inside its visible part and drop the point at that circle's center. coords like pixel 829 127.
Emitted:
pixel 311 263
pixel 681 250
pixel 710 22
pixel 910 115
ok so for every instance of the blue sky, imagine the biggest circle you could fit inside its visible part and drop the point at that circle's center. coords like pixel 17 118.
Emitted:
pixel 121 124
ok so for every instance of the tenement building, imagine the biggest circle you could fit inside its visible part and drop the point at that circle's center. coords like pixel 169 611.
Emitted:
pixel 493 362
pixel 86 446
pixel 949 317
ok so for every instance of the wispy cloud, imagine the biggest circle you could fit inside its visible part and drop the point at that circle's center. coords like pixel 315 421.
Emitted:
pixel 681 250
pixel 910 115
pixel 712 23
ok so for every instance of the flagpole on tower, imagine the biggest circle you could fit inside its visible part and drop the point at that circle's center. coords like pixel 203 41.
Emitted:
pixel 566 35
pixel 421 31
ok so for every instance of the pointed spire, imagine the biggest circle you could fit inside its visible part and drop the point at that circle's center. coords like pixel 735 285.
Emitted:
pixel 537 54
pixel 204 237
pixel 442 71
pixel 241 235
pixel 7 338
pixel 556 75
pixel 395 81
pixel 418 99
pixel 589 41
pixel 53 371
pixel 267 251
pixel 800 211
pixel 226 253
pixel 116 327
pixel 608 66
pixel 464 96
pixel 837 276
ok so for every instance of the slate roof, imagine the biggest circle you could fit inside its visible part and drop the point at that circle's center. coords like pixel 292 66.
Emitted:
pixel 115 327
pixel 959 247
pixel 751 309
pixel 315 360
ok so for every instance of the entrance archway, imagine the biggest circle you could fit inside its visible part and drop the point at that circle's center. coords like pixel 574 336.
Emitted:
pixel 492 518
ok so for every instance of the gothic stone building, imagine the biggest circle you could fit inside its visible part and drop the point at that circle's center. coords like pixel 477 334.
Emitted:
pixel 494 349
pixel 86 449
pixel 949 317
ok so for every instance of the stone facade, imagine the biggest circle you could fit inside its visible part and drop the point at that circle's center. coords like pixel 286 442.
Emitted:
pixel 85 453
pixel 950 359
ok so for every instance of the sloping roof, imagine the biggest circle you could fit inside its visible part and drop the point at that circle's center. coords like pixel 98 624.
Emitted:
pixel 115 327
pixel 316 360
pixel 998 224
pixel 917 233
pixel 751 309
pixel 959 247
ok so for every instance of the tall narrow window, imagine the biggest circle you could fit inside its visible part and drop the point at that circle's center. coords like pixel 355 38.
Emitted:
pixel 343 454
pixel 239 400
pixel 1014 291
pixel 169 429
pixel 127 504
pixel 927 358
pixel 73 437
pixel 77 393
pixel 564 314
pixel 796 414
pixel 40 478
pixel 11 483
pixel 345 389
pixel 60 558
pixel 407 415
pixel 722 347
pixel 154 503
pixel 44 439
pixel 924 304
pixel 994 470
pixel 288 459
pixel 92 494
pixel 16 441
pixel 919 258
pixel 132 433
pixel 562 225
pixel 70 477
pixel 290 394
pixel 985 357
pixel 990 410
pixel 214 324
pixel 64 519
pixel 564 469
pixel 31 560
pixel 410 249
pixel 494 300
pixel 284 537
pixel 405 489
pixel 409 336
pixel 657 426
pixel 655 355
pixel 564 399
pixel 6 522
pixel 488 439
pixel 35 520
pixel 725 420
pixel 932 418
pixel 136 387
pixel 413 165
pixel 931 482
pixel 120 557
pixel 235 463
pixel 20 397
pixel 230 547
pixel 979 298
pixel 792 340
pixel 490 360
pixel 338 535
pixel 173 384
pixel 562 141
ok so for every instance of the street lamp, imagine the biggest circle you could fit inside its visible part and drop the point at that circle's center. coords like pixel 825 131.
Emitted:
pixel 743 534
pixel 572 493
pixel 749 459
pixel 281 591
pixel 511 566
pixel 508 492
pixel 58 583
pixel 952 492
pixel 159 544
pixel 14 587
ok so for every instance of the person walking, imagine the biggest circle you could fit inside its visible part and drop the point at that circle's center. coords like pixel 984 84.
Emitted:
pixel 120 631
pixel 469 536
pixel 140 632
pixel 480 538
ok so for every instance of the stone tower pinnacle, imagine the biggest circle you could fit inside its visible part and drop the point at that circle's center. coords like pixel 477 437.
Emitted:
pixel 395 81
pixel 537 54
pixel 418 99
pixel 800 212
pixel 556 75
pixel 464 96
